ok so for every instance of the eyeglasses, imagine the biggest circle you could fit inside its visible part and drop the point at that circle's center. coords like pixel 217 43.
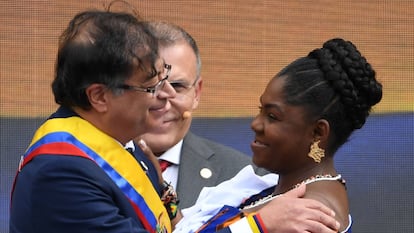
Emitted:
pixel 182 87
pixel 154 89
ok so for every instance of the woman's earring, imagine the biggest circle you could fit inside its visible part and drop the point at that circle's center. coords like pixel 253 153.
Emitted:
pixel 316 153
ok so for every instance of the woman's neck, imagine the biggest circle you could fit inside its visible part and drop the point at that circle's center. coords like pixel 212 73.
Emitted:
pixel 288 180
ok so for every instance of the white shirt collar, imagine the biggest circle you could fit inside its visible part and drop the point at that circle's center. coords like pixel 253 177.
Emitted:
pixel 172 155
pixel 131 145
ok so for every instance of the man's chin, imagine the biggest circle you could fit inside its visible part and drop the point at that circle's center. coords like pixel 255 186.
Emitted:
pixel 161 133
pixel 160 127
pixel 159 143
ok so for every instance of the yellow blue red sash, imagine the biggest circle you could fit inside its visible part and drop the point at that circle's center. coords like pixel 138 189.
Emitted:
pixel 77 137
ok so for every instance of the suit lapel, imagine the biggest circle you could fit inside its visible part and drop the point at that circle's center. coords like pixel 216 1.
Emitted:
pixel 195 156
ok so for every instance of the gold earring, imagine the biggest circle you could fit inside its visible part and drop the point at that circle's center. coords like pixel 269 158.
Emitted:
pixel 316 153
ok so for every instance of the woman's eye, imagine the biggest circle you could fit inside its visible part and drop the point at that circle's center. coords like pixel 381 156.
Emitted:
pixel 272 116
pixel 266 113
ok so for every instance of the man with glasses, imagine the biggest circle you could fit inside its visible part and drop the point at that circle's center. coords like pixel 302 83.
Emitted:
pixel 153 90
pixel 195 162
pixel 76 175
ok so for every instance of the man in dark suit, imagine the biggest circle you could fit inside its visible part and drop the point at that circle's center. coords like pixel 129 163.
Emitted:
pixel 76 175
pixel 196 162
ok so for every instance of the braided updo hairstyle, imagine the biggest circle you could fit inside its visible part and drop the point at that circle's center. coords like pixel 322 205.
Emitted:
pixel 334 83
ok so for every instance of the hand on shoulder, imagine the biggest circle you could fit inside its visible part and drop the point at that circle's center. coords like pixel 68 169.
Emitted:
pixel 333 195
pixel 290 213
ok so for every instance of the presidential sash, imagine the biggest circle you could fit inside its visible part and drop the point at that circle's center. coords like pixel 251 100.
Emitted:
pixel 77 137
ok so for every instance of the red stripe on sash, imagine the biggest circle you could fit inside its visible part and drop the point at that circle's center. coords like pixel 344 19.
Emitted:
pixel 55 148
pixel 141 216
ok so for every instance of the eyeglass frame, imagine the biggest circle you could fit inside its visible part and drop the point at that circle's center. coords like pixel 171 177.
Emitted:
pixel 152 89
pixel 187 87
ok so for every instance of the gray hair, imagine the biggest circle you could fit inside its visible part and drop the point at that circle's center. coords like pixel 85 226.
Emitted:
pixel 169 34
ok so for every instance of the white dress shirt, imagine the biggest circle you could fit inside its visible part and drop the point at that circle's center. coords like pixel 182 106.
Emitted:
pixel 173 156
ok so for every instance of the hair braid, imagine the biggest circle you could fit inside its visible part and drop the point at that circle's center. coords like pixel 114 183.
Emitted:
pixel 334 83
pixel 350 76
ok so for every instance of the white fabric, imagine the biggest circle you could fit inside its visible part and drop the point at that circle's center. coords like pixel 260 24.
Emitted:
pixel 231 192
pixel 349 225
pixel 241 226
pixel 172 155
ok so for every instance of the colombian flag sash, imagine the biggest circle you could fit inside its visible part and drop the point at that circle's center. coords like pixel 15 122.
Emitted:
pixel 77 137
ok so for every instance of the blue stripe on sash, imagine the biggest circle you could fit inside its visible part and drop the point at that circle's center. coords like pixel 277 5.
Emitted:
pixel 126 188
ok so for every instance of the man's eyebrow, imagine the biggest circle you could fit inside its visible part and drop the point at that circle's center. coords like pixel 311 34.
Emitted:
pixel 182 81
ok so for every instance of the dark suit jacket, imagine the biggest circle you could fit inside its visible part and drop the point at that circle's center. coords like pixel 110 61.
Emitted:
pixel 198 153
pixel 56 193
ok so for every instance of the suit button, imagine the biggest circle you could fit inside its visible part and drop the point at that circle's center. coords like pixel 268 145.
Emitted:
pixel 205 173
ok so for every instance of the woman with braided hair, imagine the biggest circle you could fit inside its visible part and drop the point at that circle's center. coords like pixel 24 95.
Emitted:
pixel 307 111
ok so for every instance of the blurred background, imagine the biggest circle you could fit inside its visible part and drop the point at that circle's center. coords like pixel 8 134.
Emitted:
pixel 243 44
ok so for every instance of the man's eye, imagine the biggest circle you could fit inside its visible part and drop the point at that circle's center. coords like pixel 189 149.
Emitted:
pixel 178 86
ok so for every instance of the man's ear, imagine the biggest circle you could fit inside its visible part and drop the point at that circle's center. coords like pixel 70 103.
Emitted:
pixel 198 87
pixel 97 95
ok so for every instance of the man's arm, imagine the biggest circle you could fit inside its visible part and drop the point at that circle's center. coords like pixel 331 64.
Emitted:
pixel 289 213
pixel 295 214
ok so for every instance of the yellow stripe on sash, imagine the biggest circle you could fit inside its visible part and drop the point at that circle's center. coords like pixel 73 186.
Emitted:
pixel 253 224
pixel 115 155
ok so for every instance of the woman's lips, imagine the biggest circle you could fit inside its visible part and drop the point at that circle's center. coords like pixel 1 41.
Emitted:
pixel 257 144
